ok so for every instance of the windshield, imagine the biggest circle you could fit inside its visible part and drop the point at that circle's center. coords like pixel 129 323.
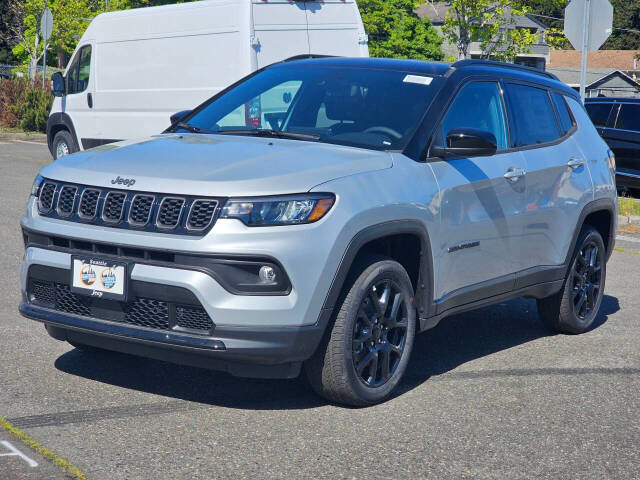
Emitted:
pixel 364 107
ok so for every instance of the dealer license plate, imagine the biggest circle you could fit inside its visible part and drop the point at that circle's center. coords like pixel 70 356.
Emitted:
pixel 98 277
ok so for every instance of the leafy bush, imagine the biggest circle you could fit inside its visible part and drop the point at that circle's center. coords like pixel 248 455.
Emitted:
pixel 11 92
pixel 24 105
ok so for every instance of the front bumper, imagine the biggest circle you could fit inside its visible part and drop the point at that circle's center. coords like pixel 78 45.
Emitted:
pixel 262 353
pixel 254 344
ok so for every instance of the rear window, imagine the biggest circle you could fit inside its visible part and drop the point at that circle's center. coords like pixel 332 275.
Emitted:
pixel 629 117
pixel 564 117
pixel 599 113
pixel 533 116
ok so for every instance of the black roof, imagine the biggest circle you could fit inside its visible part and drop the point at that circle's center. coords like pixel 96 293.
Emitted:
pixel 612 100
pixel 414 66
pixel 475 67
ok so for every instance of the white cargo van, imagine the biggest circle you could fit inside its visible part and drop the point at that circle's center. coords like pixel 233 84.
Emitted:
pixel 133 69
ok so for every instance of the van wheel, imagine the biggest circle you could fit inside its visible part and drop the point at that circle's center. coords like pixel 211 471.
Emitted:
pixel 574 308
pixel 63 144
pixel 365 354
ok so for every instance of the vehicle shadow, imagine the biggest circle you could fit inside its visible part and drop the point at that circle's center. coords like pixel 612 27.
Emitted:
pixel 455 341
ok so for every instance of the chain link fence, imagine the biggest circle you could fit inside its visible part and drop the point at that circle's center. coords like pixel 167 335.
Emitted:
pixel 13 71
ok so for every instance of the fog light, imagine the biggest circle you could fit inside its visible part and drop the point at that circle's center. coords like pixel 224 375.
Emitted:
pixel 267 274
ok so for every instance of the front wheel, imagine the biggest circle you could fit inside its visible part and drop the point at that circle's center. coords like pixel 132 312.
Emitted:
pixel 364 356
pixel 575 307
pixel 62 144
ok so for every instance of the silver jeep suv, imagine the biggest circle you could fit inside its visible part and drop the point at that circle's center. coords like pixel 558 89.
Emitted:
pixel 319 213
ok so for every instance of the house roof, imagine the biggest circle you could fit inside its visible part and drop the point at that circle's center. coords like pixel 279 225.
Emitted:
pixel 617 73
pixel 595 76
pixel 434 11
pixel 612 59
pixel 437 11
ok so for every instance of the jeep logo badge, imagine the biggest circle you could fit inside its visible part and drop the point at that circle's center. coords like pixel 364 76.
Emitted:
pixel 127 182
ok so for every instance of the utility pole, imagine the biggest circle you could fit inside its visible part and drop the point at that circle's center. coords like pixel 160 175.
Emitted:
pixel 585 43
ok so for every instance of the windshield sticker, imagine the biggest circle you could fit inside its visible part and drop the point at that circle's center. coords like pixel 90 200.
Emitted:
pixel 418 79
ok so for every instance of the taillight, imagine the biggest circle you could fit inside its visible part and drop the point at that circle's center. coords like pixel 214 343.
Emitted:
pixel 252 113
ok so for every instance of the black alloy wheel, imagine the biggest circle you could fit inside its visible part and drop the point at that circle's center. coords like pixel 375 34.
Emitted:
pixel 380 333
pixel 586 280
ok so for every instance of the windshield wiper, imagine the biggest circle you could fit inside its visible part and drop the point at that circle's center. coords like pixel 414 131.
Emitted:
pixel 265 132
pixel 190 128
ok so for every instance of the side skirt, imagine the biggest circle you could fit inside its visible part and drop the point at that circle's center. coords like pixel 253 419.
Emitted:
pixel 539 290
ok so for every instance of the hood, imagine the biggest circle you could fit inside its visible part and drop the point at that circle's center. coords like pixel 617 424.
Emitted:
pixel 216 165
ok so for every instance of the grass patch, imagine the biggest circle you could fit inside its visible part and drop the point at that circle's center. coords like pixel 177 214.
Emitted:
pixel 628 206
pixel 61 462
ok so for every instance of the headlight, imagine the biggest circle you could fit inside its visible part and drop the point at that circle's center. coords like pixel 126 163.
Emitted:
pixel 283 210
pixel 36 185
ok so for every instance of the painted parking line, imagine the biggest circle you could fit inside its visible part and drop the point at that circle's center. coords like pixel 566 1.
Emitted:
pixel 14 452
pixel 18 454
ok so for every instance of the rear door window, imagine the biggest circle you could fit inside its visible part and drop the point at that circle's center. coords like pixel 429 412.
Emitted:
pixel 564 117
pixel 533 116
pixel 599 113
pixel 629 117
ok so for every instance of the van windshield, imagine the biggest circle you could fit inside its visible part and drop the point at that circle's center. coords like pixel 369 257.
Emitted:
pixel 363 107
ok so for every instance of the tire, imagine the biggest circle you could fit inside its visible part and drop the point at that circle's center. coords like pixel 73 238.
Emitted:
pixel 63 144
pixel 364 313
pixel 575 307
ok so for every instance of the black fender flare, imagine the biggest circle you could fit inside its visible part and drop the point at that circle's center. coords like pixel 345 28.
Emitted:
pixel 56 119
pixel 424 287
pixel 594 206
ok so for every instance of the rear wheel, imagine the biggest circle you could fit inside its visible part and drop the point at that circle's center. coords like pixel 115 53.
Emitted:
pixel 364 356
pixel 574 308
pixel 62 144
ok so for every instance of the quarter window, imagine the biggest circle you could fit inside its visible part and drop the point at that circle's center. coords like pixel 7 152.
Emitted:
pixel 479 105
pixel 533 116
pixel 599 113
pixel 564 117
pixel 629 117
pixel 78 76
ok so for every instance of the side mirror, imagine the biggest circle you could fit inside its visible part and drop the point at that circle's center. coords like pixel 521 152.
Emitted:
pixel 176 117
pixel 467 142
pixel 57 85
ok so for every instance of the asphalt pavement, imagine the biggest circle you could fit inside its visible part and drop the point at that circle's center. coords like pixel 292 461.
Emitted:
pixel 488 394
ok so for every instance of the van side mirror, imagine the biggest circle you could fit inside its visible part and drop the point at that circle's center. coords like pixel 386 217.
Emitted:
pixel 176 117
pixel 57 85
pixel 466 142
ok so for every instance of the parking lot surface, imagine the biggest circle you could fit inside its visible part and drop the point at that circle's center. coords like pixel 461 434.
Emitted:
pixel 488 394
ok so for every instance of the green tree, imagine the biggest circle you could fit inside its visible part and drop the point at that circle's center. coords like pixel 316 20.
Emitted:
pixel 626 17
pixel 490 22
pixel 396 31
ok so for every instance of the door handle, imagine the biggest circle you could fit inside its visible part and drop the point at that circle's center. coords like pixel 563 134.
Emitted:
pixel 575 162
pixel 513 174
pixel 89 100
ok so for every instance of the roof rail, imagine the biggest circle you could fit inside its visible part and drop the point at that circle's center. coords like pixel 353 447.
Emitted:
pixel 515 66
pixel 306 56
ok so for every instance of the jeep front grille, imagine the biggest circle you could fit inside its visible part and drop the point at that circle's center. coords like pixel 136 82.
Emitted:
pixel 185 215
pixel 89 203
pixel 140 211
pixel 47 192
pixel 170 212
pixel 66 200
pixel 113 207
pixel 201 214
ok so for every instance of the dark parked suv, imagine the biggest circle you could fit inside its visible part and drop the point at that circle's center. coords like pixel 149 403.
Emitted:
pixel 618 122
